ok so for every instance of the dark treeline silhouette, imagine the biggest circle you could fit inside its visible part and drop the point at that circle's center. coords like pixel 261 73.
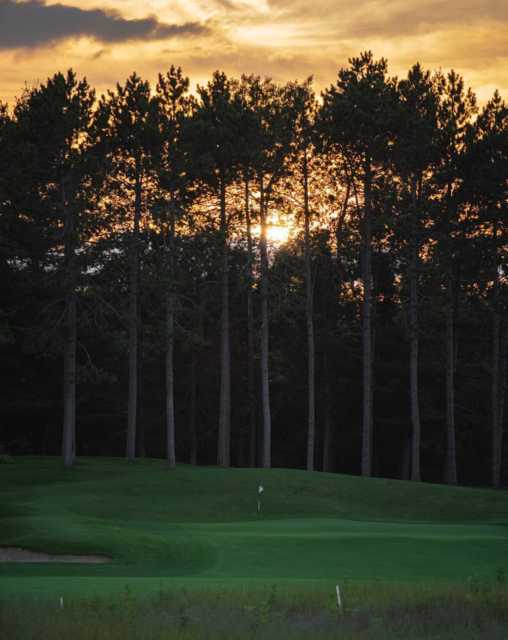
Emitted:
pixel 146 309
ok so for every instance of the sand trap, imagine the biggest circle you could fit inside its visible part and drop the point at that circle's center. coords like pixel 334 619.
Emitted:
pixel 14 554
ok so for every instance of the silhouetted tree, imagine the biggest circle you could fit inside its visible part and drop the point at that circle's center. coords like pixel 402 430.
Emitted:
pixel 134 226
pixel 358 116
pixel 63 107
pixel 486 187
pixel 274 112
pixel 456 108
pixel 175 109
pixel 128 118
pixel 217 143
pixel 415 152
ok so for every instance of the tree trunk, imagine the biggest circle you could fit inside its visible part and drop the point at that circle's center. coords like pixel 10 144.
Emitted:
pixel 309 318
pixel 170 344
pixel 193 409
pixel 328 435
pixel 265 381
pixel 367 327
pixel 497 428
pixel 451 447
pixel 140 428
pixel 451 455
pixel 413 349
pixel 405 471
pixel 69 390
pixel 413 374
pixel 327 431
pixel 251 379
pixel 224 440
pixel 69 374
pixel 132 407
pixel 497 433
pixel 502 394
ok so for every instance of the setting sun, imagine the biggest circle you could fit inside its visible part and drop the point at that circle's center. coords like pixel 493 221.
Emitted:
pixel 276 233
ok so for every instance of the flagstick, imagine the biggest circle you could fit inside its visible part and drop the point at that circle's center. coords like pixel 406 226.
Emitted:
pixel 260 493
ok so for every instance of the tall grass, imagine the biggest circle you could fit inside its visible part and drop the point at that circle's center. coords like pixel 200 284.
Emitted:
pixel 470 612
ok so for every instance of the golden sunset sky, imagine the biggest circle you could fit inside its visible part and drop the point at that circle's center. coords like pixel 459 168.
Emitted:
pixel 284 39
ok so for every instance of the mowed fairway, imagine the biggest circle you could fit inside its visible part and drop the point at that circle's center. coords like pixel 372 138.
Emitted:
pixel 199 525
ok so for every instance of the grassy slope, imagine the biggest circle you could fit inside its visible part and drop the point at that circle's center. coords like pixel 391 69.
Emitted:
pixel 200 524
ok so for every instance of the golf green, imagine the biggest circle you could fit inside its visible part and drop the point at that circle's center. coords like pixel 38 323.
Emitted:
pixel 200 525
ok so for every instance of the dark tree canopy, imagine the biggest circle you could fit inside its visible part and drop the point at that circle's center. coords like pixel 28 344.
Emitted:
pixel 139 268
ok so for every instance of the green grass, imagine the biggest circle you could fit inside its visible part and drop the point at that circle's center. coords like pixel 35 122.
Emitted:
pixel 198 527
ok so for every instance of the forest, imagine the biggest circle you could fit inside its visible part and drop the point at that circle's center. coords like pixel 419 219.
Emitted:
pixel 255 273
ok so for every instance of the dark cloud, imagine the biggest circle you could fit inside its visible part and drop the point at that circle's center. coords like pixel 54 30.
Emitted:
pixel 99 54
pixel 34 24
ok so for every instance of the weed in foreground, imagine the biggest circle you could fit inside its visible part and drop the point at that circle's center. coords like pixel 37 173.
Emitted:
pixel 444 613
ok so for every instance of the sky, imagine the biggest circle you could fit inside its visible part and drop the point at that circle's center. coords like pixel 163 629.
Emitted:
pixel 284 39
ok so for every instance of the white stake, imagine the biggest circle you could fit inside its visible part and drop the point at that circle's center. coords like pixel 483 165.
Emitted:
pixel 339 599
pixel 61 602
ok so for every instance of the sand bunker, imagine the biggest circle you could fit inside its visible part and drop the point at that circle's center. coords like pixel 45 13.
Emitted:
pixel 14 554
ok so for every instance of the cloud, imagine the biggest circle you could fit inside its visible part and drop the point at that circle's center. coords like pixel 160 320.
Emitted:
pixel 99 54
pixel 284 39
pixel 392 18
pixel 34 24
pixel 403 19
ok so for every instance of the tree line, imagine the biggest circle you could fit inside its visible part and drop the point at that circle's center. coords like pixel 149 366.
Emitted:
pixel 135 255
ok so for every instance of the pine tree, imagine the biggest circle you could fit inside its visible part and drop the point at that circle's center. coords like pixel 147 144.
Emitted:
pixel 358 118
pixel 485 166
pixel 415 152
pixel 127 126
pixel 63 106
pixel 456 107
pixel 175 108
pixel 216 139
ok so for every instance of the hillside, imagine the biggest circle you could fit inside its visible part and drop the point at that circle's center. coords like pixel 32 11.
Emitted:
pixel 201 523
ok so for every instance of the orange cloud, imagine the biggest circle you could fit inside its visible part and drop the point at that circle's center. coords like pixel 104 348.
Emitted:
pixel 284 39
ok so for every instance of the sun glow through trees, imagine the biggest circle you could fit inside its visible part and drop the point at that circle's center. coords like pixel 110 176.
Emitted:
pixel 277 234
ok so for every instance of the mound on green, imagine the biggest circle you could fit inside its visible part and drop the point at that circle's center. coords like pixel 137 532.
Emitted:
pixel 199 525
